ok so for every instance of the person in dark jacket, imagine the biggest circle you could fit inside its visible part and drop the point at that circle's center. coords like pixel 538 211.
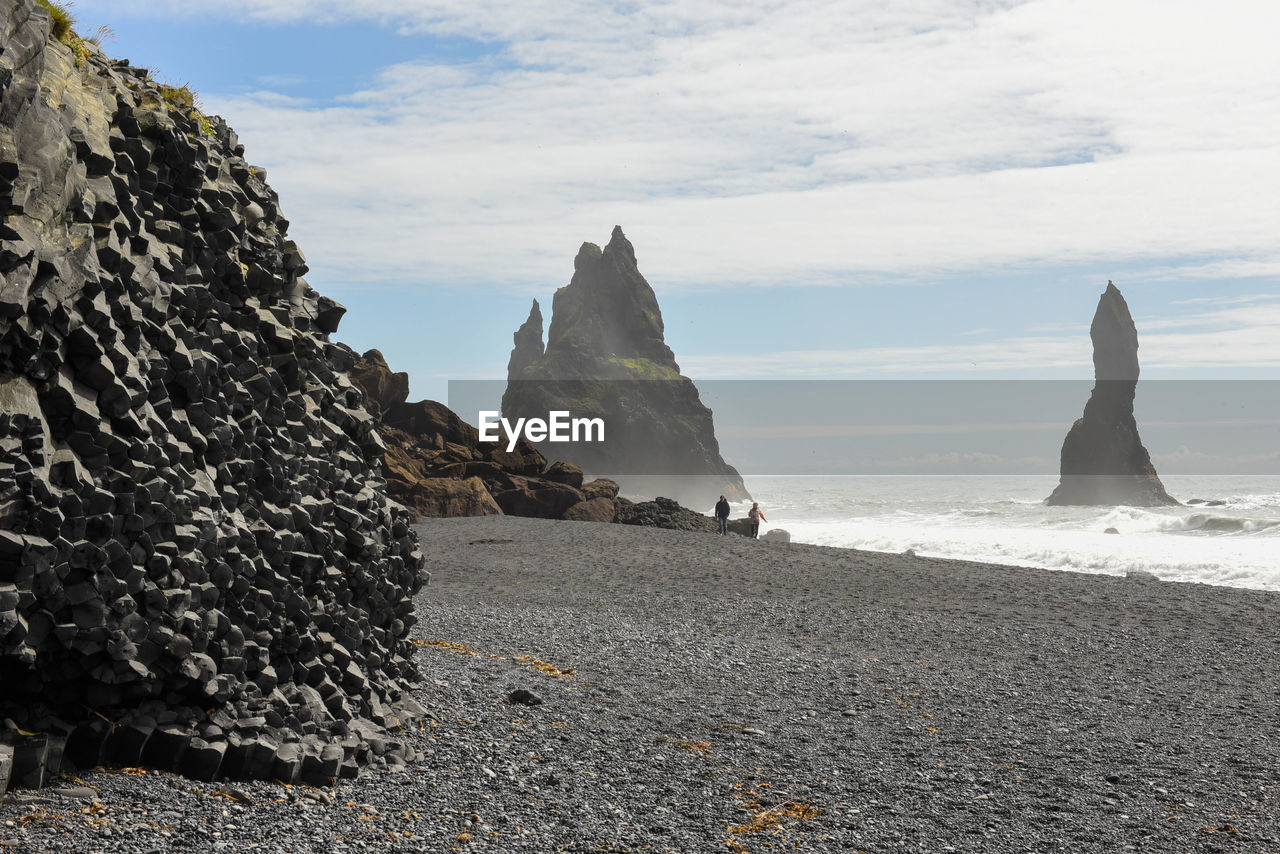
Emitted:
pixel 722 515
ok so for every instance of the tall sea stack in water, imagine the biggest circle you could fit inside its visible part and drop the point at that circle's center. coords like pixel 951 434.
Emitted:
pixel 1103 460
pixel 606 357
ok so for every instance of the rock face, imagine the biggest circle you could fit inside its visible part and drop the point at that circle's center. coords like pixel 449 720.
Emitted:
pixel 606 357
pixel 437 465
pixel 200 569
pixel 528 343
pixel 667 513
pixel 383 390
pixel 1103 460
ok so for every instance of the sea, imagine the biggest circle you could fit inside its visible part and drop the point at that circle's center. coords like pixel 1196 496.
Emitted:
pixel 1233 539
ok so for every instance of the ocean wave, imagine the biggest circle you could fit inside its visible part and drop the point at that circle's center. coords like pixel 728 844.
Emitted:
pixel 1006 521
pixel 1233 561
pixel 1210 523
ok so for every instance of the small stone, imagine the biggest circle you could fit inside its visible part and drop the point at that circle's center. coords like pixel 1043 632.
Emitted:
pixel 73 793
pixel 524 697
pixel 6 767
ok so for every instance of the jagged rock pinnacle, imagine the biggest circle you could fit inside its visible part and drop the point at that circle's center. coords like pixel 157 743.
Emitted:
pixel 606 326
pixel 528 343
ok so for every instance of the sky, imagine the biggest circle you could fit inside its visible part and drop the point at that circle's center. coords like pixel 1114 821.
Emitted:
pixel 932 189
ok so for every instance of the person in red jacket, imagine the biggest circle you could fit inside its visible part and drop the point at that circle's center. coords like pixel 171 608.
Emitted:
pixel 756 515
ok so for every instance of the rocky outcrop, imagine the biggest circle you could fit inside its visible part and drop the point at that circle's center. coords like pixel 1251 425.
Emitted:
pixel 382 388
pixel 601 487
pixel 567 473
pixel 200 569
pixel 667 513
pixel 437 465
pixel 528 343
pixel 606 357
pixel 1103 460
pixel 664 513
pixel 593 510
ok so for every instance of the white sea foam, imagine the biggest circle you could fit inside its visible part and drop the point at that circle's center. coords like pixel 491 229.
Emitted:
pixel 1005 520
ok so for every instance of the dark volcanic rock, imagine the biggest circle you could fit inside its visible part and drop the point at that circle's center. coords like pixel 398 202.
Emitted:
pixel 528 343
pixel 450 491
pixel 593 510
pixel 446 496
pixel 536 497
pixel 601 487
pixel 382 389
pixel 606 357
pixel 437 466
pixel 1103 460
pixel 562 472
pixel 664 513
pixel 196 541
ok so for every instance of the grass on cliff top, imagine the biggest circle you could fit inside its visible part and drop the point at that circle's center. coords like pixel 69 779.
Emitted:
pixel 181 98
pixel 184 100
pixel 62 21
pixel 62 29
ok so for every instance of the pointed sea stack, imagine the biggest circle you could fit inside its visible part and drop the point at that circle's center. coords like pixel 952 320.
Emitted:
pixel 1103 460
pixel 606 357
pixel 528 343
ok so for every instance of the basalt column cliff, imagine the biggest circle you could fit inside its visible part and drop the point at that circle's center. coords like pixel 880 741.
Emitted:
pixel 1103 460
pixel 606 357
pixel 200 569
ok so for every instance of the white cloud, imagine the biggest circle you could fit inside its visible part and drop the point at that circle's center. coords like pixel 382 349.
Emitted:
pixel 1253 314
pixel 1267 267
pixel 862 431
pixel 768 142
pixel 1220 338
pixel 1001 355
pixel 1184 460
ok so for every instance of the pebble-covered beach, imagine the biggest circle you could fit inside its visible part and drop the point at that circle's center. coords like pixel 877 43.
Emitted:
pixel 704 693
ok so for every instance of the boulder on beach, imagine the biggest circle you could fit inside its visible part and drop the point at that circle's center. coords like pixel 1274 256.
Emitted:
pixel 601 487
pixel 1103 459
pixel 664 512
pixel 593 510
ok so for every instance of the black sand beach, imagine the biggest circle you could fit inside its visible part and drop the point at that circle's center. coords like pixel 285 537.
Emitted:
pixel 718 694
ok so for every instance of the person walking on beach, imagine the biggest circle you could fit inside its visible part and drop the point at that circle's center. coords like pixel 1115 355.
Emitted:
pixel 756 515
pixel 722 515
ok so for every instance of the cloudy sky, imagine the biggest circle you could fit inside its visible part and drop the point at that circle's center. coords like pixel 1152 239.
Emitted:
pixel 917 189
